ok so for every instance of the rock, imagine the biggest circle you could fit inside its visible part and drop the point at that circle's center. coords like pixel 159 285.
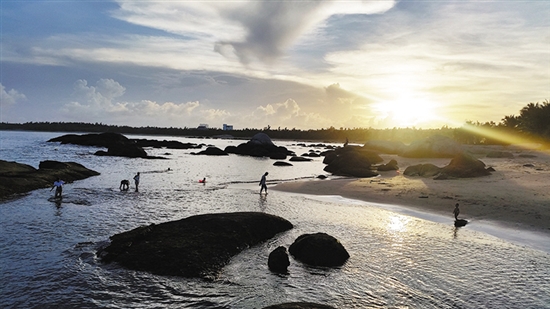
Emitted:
pixel 422 170
pixel 322 177
pixel 20 178
pixel 460 222
pixel 390 166
pixel 299 305
pixel 197 246
pixel 299 159
pixel 435 146
pixel 349 163
pixel 212 151
pixel 387 147
pixel 282 163
pixel 165 144
pixel 464 166
pixel 500 154
pixel 278 260
pixel 105 140
pixel 260 146
pixel 128 150
pixel 319 249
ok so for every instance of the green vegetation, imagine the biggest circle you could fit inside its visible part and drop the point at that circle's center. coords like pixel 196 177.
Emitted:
pixel 532 124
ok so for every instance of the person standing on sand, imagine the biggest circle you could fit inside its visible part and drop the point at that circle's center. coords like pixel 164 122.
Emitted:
pixel 263 184
pixel 58 185
pixel 456 212
pixel 136 181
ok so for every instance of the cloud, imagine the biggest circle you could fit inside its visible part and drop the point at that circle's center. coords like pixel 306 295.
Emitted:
pixel 11 97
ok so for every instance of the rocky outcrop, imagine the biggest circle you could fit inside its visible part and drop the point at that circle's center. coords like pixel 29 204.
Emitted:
pixel 282 163
pixel 197 246
pixel 165 144
pixel 278 260
pixel 20 178
pixel 351 161
pixel 117 144
pixel 465 165
pixel 422 170
pixel 435 146
pixel 260 146
pixel 299 305
pixel 319 249
pixel 299 159
pixel 212 151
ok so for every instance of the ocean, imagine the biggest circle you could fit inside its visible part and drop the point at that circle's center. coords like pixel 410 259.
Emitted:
pixel 48 250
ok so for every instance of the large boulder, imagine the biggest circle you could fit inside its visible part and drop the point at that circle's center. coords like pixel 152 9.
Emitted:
pixel 20 178
pixel 465 165
pixel 260 145
pixel 319 249
pixel 387 147
pixel 105 140
pixel 197 246
pixel 351 161
pixel 128 150
pixel 435 146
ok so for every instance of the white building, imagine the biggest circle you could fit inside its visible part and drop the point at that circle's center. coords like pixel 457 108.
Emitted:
pixel 227 127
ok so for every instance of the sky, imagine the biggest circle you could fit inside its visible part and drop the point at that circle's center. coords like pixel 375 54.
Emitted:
pixel 278 63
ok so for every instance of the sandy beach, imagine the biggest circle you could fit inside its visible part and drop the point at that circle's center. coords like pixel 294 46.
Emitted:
pixel 516 194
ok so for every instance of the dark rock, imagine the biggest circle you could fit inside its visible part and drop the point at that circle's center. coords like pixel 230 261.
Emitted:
pixel 282 163
pixel 105 140
pixel 300 159
pixel 390 166
pixel 528 165
pixel 465 165
pixel 422 170
pixel 197 246
pixel 128 150
pixel 213 151
pixel 435 146
pixel 299 305
pixel 165 144
pixel 260 146
pixel 322 177
pixel 20 178
pixel 351 162
pixel 500 154
pixel 278 260
pixel 319 249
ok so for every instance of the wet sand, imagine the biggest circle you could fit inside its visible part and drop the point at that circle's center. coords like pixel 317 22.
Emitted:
pixel 516 194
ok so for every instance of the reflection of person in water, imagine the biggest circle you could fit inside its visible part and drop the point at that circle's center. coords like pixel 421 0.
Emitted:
pixel 263 184
pixel 456 212
pixel 58 185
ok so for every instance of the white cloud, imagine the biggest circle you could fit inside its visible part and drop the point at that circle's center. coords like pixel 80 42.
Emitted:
pixel 10 97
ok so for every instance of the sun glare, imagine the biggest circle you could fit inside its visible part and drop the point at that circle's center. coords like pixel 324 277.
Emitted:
pixel 406 112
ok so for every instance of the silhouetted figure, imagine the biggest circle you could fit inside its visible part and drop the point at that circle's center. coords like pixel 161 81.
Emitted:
pixel 136 181
pixel 203 180
pixel 58 185
pixel 263 183
pixel 124 185
pixel 456 212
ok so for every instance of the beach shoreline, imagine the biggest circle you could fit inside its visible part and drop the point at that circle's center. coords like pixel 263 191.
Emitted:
pixel 515 195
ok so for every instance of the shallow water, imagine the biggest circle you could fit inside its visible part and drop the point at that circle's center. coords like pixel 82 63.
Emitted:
pixel 47 250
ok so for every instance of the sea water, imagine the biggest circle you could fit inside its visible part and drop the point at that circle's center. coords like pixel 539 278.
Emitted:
pixel 48 249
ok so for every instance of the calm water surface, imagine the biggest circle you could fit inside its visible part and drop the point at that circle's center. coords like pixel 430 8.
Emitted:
pixel 47 251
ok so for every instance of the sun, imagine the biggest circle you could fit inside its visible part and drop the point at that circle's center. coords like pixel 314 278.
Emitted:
pixel 406 112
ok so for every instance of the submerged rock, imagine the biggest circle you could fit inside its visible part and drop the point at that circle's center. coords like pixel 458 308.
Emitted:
pixel 20 178
pixel 197 246
pixel 319 249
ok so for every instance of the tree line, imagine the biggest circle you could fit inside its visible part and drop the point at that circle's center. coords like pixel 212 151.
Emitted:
pixel 532 124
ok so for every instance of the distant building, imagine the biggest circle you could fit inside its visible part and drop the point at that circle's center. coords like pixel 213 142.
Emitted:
pixel 227 127
pixel 203 126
